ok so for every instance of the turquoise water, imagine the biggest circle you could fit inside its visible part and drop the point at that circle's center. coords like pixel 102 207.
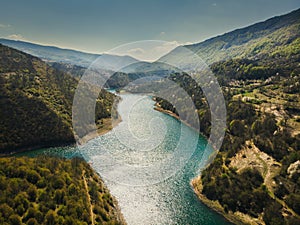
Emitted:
pixel 147 162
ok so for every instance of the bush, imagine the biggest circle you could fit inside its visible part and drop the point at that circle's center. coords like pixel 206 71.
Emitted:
pixel 32 176
pixel 5 210
pixel 32 221
pixel 272 215
pixel 15 220
pixel 293 200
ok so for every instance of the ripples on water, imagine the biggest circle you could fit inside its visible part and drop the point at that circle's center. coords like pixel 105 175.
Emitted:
pixel 147 137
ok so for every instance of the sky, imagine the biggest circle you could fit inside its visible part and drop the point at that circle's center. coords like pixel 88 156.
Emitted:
pixel 100 25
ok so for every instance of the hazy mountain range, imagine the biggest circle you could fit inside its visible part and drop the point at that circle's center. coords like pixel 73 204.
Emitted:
pixel 55 54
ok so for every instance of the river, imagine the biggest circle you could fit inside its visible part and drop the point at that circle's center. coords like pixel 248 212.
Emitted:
pixel 145 199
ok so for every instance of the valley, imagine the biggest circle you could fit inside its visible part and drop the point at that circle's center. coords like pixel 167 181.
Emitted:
pixel 144 146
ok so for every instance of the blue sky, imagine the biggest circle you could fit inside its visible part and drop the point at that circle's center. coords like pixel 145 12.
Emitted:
pixel 99 25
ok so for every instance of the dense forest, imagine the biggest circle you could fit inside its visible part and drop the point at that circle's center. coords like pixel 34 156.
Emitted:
pixel 36 102
pixel 250 125
pixel 52 191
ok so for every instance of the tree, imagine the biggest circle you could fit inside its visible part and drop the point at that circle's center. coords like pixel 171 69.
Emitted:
pixel 32 221
pixel 6 211
pixel 293 200
pixel 32 176
pixel 50 218
pixel 15 220
pixel 271 215
pixel 32 193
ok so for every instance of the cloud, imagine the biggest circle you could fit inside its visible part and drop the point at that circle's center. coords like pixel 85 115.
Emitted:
pixel 214 4
pixel 136 51
pixel 4 25
pixel 148 50
pixel 187 43
pixel 167 46
pixel 16 37
pixel 162 33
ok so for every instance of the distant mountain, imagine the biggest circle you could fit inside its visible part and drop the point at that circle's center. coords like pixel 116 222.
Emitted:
pixel 36 102
pixel 55 54
pixel 140 72
pixel 275 37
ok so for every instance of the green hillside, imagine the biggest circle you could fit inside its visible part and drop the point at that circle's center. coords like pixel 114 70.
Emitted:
pixel 276 37
pixel 36 102
pixel 254 179
pixel 53 191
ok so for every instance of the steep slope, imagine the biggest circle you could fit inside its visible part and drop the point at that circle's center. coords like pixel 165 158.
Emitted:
pixel 36 102
pixel 254 178
pixel 55 54
pixel 275 37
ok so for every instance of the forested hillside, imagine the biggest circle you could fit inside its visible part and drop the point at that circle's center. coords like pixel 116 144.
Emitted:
pixel 36 102
pixel 255 176
pixel 276 37
pixel 54 191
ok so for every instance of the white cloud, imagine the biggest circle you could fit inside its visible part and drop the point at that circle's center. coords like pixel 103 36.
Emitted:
pixel 16 37
pixel 164 48
pixel 136 51
pixel 187 43
pixel 214 4
pixel 162 33
pixel 148 50
pixel 4 25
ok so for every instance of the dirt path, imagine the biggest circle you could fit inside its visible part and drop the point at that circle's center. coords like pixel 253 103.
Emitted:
pixel 251 156
pixel 269 168
pixel 89 197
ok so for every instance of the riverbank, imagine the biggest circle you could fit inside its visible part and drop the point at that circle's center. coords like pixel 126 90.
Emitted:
pixel 35 147
pixel 107 125
pixel 236 218
pixel 117 212
pixel 157 107
pixel 160 109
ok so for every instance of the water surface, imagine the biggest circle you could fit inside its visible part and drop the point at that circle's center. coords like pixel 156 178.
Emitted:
pixel 125 156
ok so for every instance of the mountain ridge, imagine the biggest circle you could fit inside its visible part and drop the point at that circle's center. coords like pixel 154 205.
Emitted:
pixel 57 54
pixel 244 42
